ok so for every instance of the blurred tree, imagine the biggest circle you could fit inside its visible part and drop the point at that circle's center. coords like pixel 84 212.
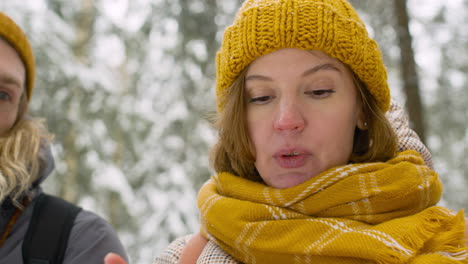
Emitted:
pixel 408 69
pixel 448 110
pixel 83 24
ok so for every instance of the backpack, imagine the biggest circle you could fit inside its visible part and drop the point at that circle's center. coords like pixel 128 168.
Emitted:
pixel 46 239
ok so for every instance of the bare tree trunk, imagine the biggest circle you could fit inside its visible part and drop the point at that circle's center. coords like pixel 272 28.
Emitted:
pixel 84 24
pixel 408 69
pixel 67 189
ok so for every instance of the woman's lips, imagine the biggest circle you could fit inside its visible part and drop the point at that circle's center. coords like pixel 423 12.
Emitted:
pixel 290 159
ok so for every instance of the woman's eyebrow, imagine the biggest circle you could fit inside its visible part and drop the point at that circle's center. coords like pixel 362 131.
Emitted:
pixel 321 67
pixel 258 77
pixel 313 70
pixel 7 79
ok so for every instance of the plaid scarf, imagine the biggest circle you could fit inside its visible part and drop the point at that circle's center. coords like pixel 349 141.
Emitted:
pixel 358 213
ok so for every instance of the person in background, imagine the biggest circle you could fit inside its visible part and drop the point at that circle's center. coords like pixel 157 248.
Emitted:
pixel 26 161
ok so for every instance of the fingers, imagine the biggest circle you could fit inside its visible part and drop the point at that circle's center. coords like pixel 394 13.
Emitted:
pixel 113 258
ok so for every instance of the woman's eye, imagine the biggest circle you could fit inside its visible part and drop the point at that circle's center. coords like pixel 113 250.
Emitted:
pixel 320 93
pixel 4 96
pixel 261 99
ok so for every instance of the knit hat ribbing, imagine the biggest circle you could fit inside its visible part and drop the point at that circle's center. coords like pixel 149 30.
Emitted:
pixel 13 34
pixel 331 26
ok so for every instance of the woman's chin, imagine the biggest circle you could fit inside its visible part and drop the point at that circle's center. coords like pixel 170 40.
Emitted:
pixel 289 180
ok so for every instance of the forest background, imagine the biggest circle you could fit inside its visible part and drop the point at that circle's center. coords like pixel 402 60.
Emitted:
pixel 127 89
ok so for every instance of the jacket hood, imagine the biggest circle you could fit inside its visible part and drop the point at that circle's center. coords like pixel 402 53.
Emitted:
pixel 7 207
pixel 47 165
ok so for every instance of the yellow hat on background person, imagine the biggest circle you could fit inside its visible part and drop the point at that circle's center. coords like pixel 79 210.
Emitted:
pixel 331 26
pixel 13 34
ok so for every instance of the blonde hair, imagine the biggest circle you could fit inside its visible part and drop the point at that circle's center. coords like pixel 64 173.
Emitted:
pixel 20 155
pixel 233 151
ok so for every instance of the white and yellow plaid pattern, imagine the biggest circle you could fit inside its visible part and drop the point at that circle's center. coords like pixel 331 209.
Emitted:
pixel 358 213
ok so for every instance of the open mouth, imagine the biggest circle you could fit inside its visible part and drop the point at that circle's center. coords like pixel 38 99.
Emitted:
pixel 294 154
pixel 292 160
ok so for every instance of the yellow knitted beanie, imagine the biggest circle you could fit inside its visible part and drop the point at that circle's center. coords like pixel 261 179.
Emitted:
pixel 331 26
pixel 13 34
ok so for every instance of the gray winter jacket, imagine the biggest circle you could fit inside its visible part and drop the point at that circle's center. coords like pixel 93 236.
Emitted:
pixel 91 237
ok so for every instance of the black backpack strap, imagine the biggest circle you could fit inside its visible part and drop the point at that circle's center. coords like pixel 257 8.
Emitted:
pixel 46 240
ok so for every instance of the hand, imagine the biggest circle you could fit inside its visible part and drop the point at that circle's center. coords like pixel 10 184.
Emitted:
pixel 113 258
pixel 193 249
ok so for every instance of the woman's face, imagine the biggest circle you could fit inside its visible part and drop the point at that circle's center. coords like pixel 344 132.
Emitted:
pixel 12 78
pixel 302 110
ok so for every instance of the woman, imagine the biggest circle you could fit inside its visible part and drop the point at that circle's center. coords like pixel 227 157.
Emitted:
pixel 26 161
pixel 307 165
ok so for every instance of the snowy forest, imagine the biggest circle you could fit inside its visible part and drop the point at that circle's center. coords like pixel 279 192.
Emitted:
pixel 127 88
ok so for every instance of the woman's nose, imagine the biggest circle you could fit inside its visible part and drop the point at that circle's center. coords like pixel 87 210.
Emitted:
pixel 290 118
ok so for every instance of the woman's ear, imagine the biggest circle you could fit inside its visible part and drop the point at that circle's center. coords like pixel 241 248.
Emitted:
pixel 361 122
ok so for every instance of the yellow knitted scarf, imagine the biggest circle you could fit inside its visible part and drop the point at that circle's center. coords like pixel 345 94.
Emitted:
pixel 358 213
